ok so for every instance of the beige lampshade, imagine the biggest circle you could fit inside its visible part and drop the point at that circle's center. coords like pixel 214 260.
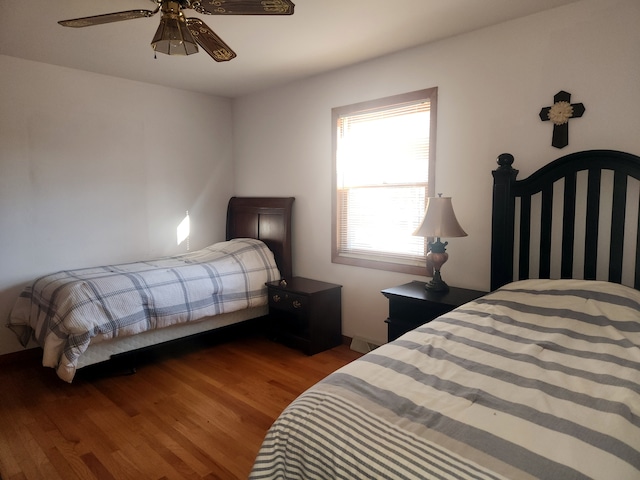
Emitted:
pixel 439 220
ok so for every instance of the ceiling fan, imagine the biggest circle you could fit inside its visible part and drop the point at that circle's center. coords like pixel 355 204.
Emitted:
pixel 178 35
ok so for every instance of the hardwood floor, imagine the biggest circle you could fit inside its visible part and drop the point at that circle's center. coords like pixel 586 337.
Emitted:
pixel 190 412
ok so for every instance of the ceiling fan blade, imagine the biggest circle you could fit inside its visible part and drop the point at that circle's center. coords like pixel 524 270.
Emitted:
pixel 209 41
pixel 243 7
pixel 107 18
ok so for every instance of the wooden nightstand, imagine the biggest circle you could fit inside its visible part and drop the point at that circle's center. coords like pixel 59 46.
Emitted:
pixel 410 305
pixel 305 314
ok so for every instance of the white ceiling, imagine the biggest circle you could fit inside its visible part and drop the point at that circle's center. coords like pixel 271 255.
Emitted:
pixel 322 35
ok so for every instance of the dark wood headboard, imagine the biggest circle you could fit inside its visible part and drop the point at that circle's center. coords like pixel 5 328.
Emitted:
pixel 267 219
pixel 584 222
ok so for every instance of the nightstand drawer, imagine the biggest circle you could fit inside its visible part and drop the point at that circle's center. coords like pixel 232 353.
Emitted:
pixel 410 305
pixel 289 302
pixel 416 310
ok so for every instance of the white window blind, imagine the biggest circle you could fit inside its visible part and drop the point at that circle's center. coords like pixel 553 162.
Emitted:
pixel 382 169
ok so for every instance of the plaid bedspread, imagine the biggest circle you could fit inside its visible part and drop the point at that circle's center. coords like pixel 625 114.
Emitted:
pixel 540 379
pixel 67 310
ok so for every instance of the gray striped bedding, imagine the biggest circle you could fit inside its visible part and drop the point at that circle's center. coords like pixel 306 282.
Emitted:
pixel 540 379
pixel 67 310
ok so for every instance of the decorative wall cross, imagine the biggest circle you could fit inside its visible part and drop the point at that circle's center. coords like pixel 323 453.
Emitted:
pixel 559 113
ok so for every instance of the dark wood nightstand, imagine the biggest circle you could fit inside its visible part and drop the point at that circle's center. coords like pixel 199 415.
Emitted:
pixel 305 314
pixel 410 305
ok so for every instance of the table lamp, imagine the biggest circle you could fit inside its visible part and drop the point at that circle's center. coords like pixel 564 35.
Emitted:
pixel 439 221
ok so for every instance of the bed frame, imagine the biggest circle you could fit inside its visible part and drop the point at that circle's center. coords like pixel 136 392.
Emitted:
pixel 576 217
pixel 265 218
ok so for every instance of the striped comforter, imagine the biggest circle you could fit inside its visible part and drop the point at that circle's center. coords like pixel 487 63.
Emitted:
pixel 540 379
pixel 67 310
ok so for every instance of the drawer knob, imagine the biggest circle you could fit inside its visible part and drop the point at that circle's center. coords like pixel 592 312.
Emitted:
pixel 296 304
pixel 276 298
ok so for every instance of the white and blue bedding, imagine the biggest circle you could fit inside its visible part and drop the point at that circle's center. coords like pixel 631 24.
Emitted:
pixel 539 379
pixel 66 311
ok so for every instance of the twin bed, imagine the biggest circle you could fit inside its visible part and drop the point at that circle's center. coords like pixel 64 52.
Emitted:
pixel 82 317
pixel 538 379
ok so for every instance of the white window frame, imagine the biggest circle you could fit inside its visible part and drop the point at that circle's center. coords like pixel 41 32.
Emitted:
pixel 341 250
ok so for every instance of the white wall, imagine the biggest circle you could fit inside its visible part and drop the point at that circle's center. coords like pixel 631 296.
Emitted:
pixel 492 84
pixel 96 169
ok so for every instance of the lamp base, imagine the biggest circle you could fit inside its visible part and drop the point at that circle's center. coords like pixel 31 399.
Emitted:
pixel 436 284
pixel 438 256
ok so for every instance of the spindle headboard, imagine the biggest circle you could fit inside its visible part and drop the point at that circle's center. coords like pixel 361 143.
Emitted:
pixel 576 217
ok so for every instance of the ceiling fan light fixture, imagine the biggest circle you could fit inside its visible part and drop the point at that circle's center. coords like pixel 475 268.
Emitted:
pixel 173 36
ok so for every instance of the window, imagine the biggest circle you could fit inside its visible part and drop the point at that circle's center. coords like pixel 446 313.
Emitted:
pixel 383 170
